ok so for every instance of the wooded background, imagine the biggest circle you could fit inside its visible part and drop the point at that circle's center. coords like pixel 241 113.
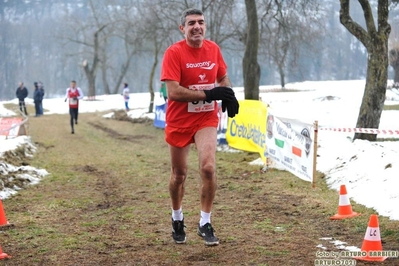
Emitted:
pixel 103 43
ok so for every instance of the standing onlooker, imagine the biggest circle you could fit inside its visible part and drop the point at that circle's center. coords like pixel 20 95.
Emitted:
pixel 37 98
pixel 163 92
pixel 41 88
pixel 191 69
pixel 73 93
pixel 126 96
pixel 22 93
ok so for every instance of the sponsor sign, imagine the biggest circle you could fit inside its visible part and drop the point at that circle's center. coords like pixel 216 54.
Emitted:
pixel 290 144
pixel 247 130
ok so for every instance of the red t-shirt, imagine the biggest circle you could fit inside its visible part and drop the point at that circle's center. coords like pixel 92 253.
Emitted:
pixel 73 96
pixel 195 69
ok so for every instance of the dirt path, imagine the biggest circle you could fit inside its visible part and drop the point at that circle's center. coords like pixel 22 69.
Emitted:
pixel 106 202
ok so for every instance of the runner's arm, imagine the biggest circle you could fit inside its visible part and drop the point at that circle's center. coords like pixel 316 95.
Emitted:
pixel 180 94
pixel 224 81
pixel 80 93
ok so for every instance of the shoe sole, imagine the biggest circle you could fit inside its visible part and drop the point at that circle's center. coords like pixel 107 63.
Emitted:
pixel 215 243
pixel 209 244
pixel 180 242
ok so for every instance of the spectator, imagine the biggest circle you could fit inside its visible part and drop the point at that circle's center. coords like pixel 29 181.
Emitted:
pixel 126 96
pixel 22 93
pixel 37 98
pixel 41 88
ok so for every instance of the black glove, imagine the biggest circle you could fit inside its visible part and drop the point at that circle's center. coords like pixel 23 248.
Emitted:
pixel 231 106
pixel 224 106
pixel 65 100
pixel 220 93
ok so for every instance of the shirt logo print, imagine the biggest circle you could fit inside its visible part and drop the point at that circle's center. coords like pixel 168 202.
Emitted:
pixel 209 67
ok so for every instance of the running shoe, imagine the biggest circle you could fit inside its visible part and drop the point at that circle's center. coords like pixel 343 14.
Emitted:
pixel 178 234
pixel 206 232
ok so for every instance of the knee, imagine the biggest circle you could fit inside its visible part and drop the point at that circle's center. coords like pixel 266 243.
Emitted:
pixel 208 170
pixel 178 176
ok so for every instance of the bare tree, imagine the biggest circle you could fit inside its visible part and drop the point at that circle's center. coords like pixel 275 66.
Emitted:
pixel 289 30
pixel 128 51
pixel 376 42
pixel 158 30
pixel 219 18
pixel 124 42
pixel 394 62
pixel 251 68
pixel 393 45
pixel 91 69
pixel 87 35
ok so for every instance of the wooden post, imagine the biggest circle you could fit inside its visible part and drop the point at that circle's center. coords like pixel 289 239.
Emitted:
pixel 316 128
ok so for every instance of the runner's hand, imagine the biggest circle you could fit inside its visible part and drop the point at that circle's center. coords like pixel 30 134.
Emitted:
pixel 220 93
pixel 224 106
pixel 231 106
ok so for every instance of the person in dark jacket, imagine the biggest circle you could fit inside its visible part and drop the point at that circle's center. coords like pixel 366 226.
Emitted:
pixel 22 93
pixel 37 98
pixel 41 88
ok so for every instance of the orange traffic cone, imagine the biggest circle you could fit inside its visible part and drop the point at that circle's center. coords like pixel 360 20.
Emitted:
pixel 3 219
pixel 372 242
pixel 4 255
pixel 344 208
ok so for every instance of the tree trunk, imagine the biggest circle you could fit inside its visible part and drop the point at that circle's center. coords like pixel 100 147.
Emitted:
pixel 376 42
pixel 374 94
pixel 152 74
pixel 396 76
pixel 91 72
pixel 251 68
pixel 282 76
pixel 104 77
pixel 394 62
pixel 91 79
pixel 122 73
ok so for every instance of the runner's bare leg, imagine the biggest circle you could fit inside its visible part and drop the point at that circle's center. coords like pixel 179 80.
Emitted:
pixel 178 174
pixel 206 141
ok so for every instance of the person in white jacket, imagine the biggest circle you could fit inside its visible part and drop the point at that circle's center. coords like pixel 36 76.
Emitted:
pixel 126 95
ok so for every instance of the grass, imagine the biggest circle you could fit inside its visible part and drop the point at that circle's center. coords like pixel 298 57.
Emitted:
pixel 30 108
pixel 106 202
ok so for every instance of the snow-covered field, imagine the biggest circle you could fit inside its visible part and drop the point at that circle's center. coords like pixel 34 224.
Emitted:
pixel 369 170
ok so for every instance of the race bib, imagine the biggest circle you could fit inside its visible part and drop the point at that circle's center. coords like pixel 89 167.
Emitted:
pixel 73 101
pixel 201 106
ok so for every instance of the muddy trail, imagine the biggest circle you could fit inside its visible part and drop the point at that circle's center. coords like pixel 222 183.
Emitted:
pixel 106 202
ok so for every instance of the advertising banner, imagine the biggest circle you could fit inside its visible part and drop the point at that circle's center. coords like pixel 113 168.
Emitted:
pixel 247 130
pixel 160 114
pixel 290 144
pixel 11 126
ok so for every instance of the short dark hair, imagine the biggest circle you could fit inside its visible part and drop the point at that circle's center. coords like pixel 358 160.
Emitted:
pixel 72 81
pixel 125 84
pixel 187 12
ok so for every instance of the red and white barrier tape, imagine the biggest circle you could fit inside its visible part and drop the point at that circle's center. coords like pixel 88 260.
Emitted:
pixel 362 130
